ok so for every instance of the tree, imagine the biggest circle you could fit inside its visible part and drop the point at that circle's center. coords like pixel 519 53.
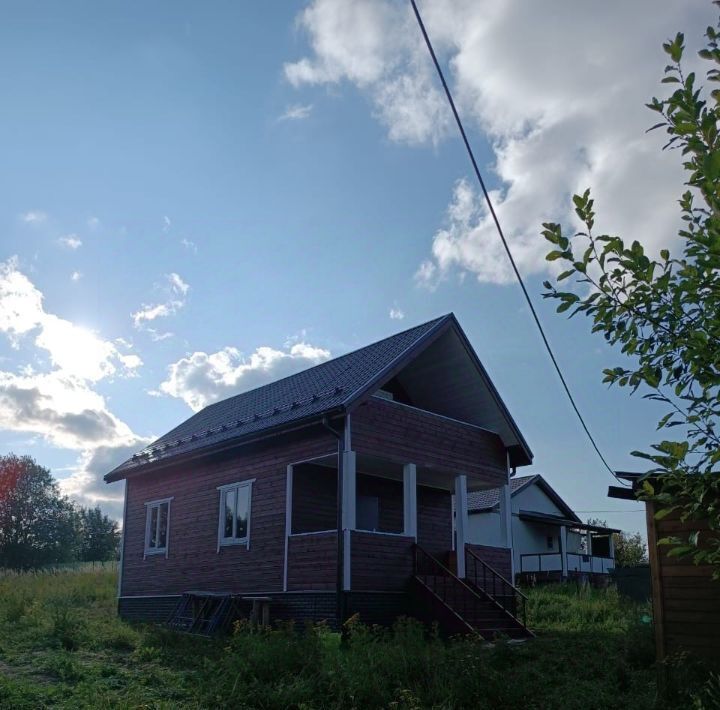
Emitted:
pixel 664 314
pixel 38 526
pixel 630 548
pixel 99 535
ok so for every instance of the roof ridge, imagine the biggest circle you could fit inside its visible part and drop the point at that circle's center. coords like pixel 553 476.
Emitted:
pixel 325 362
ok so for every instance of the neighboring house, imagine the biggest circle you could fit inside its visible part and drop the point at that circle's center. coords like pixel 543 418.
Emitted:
pixel 244 498
pixel 549 541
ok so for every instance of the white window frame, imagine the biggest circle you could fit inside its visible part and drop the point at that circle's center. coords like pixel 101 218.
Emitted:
pixel 148 517
pixel 223 491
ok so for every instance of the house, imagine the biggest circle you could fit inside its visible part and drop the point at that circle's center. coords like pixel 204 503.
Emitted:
pixel 328 493
pixel 548 540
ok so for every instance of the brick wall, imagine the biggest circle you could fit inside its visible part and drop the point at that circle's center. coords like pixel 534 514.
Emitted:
pixel 499 558
pixel 380 562
pixel 407 435
pixel 312 561
pixel 193 561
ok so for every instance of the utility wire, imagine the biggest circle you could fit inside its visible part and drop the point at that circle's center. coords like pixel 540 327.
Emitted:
pixel 504 241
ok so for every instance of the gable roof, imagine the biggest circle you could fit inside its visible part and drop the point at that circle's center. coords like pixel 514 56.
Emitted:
pixel 330 388
pixel 484 501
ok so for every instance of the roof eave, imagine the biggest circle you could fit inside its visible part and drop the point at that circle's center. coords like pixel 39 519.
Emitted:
pixel 119 473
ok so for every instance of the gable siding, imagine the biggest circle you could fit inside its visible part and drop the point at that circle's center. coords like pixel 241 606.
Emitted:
pixel 407 435
pixel 193 561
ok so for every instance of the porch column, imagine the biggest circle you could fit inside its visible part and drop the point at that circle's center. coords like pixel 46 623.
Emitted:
pixel 611 546
pixel 349 491
pixel 410 500
pixel 461 522
pixel 563 550
pixel 349 510
pixel 288 520
pixel 506 525
pixel 588 537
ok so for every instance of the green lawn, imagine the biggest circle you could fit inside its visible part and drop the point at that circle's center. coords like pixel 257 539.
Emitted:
pixel 62 645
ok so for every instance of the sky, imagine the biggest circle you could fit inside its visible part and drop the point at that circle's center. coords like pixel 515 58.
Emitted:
pixel 198 198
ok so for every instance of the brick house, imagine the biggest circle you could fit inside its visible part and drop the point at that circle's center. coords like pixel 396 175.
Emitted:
pixel 331 492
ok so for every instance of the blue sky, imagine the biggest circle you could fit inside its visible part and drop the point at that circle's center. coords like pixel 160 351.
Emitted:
pixel 198 198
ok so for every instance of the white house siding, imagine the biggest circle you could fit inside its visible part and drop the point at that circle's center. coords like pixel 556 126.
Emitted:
pixel 528 537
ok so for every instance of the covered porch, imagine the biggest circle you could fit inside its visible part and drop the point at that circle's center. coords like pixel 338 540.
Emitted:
pixel 386 508
pixel 582 549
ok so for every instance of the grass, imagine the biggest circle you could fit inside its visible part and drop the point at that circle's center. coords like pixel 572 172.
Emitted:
pixel 62 645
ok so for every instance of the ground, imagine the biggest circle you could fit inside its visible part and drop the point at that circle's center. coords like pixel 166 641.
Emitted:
pixel 62 645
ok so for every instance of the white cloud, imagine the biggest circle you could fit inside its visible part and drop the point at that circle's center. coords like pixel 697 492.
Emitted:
pixel 176 289
pixel 93 222
pixel 203 378
pixel 71 241
pixel 86 484
pixel 167 223
pixel 59 402
pixel 75 276
pixel 190 245
pixel 33 217
pixel 562 109
pixel 297 112
pixel 396 313
pixel 59 407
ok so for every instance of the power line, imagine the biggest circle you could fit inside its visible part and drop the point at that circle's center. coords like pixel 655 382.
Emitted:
pixel 504 241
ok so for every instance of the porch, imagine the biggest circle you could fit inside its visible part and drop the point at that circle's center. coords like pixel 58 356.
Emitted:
pixel 582 549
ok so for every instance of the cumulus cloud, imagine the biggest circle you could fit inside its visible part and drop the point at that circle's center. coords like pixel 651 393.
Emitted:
pixel 75 276
pixel 61 408
pixel 33 217
pixel 298 112
pixel 59 403
pixel 203 378
pixel 86 484
pixel 396 313
pixel 76 351
pixel 175 291
pixel 71 241
pixel 562 109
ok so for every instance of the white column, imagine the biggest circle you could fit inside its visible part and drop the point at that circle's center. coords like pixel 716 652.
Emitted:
pixel 349 491
pixel 563 550
pixel 588 537
pixel 611 546
pixel 461 522
pixel 410 500
pixel 288 520
pixel 347 559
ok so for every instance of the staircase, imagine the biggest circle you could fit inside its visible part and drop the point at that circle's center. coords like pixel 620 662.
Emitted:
pixel 484 602
pixel 202 613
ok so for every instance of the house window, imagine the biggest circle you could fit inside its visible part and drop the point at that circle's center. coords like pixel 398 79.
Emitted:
pixel 550 542
pixel 157 527
pixel 234 523
pixel 368 513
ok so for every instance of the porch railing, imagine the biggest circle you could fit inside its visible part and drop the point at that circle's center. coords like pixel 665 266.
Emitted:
pixel 576 562
pixel 451 590
pixel 502 592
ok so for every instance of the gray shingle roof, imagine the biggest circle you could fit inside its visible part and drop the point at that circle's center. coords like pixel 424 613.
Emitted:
pixel 312 392
pixel 482 500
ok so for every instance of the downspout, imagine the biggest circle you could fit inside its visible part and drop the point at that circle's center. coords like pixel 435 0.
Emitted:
pixel 339 593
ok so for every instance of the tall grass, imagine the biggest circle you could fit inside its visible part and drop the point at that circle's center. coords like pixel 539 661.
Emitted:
pixel 62 645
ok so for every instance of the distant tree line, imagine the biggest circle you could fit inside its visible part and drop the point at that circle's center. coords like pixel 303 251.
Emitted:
pixel 39 526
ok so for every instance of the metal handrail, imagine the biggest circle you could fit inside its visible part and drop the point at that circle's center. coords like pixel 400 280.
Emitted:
pixel 451 590
pixel 509 591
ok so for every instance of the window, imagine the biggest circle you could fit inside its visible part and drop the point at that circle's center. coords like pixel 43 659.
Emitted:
pixel 550 542
pixel 368 513
pixel 234 522
pixel 157 527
